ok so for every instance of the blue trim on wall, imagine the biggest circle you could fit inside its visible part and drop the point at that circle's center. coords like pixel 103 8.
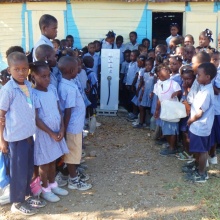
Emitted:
pixel 188 7
pixel 65 22
pixel 30 30
pixel 72 27
pixel 3 65
pixel 23 38
pixel 216 7
pixel 149 24
pixel 143 24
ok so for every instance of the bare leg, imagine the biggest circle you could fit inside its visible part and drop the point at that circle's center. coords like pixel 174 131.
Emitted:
pixel 43 170
pixel 202 162
pixel 212 151
pixel 72 170
pixel 142 114
pixel 52 172
pixel 186 142
pixel 172 142
pixel 36 173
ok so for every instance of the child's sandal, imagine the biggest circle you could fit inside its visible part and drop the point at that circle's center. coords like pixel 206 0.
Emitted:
pixel 23 208
pixel 36 202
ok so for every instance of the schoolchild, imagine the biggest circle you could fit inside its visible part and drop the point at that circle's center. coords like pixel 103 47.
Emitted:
pixel 138 83
pixel 132 70
pixel 201 121
pixel 123 97
pixel 199 58
pixel 174 43
pixel 133 44
pixel 189 53
pixel 205 38
pixel 4 77
pixel 56 45
pixel 161 50
pixel 142 49
pixel 16 136
pixel 108 42
pixel 95 56
pixel 146 43
pixel 168 89
pixel 189 40
pixel 48 27
pixel 93 84
pixel 119 45
pixel 49 142
pixel 70 42
pixel 215 135
pixel 81 80
pixel 46 54
pixel 175 62
pixel 146 94
pixel 188 78
pixel 180 51
pixel 174 29
pixel 73 109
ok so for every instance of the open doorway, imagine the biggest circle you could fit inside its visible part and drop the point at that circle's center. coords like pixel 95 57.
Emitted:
pixel 161 24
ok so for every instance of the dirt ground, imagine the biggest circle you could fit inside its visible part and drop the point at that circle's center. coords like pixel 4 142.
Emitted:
pixel 131 181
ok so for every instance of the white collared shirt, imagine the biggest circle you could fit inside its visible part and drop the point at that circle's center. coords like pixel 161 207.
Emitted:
pixel 203 100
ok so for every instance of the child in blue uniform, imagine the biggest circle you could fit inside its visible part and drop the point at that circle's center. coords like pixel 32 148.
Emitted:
pixel 48 27
pixel 146 95
pixel 49 142
pixel 215 58
pixel 138 83
pixel 201 120
pixel 47 54
pixel 175 62
pixel 167 89
pixel 73 109
pixel 188 78
pixel 17 106
pixel 132 70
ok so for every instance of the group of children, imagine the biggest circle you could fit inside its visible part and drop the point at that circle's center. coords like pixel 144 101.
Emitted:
pixel 62 92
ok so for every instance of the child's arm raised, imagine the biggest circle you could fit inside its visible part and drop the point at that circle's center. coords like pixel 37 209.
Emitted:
pixel 40 124
pixel 3 143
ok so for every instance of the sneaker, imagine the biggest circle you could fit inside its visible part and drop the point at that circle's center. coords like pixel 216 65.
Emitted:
pixel 78 184
pixel 168 152
pixel 213 160
pixel 184 156
pixel 165 145
pixel 36 202
pixel 23 208
pixel 189 167
pixel 136 122
pixel 98 124
pixel 5 195
pixel 139 126
pixel 59 191
pixel 50 196
pixel 82 176
pixel 197 178
pixel 60 179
